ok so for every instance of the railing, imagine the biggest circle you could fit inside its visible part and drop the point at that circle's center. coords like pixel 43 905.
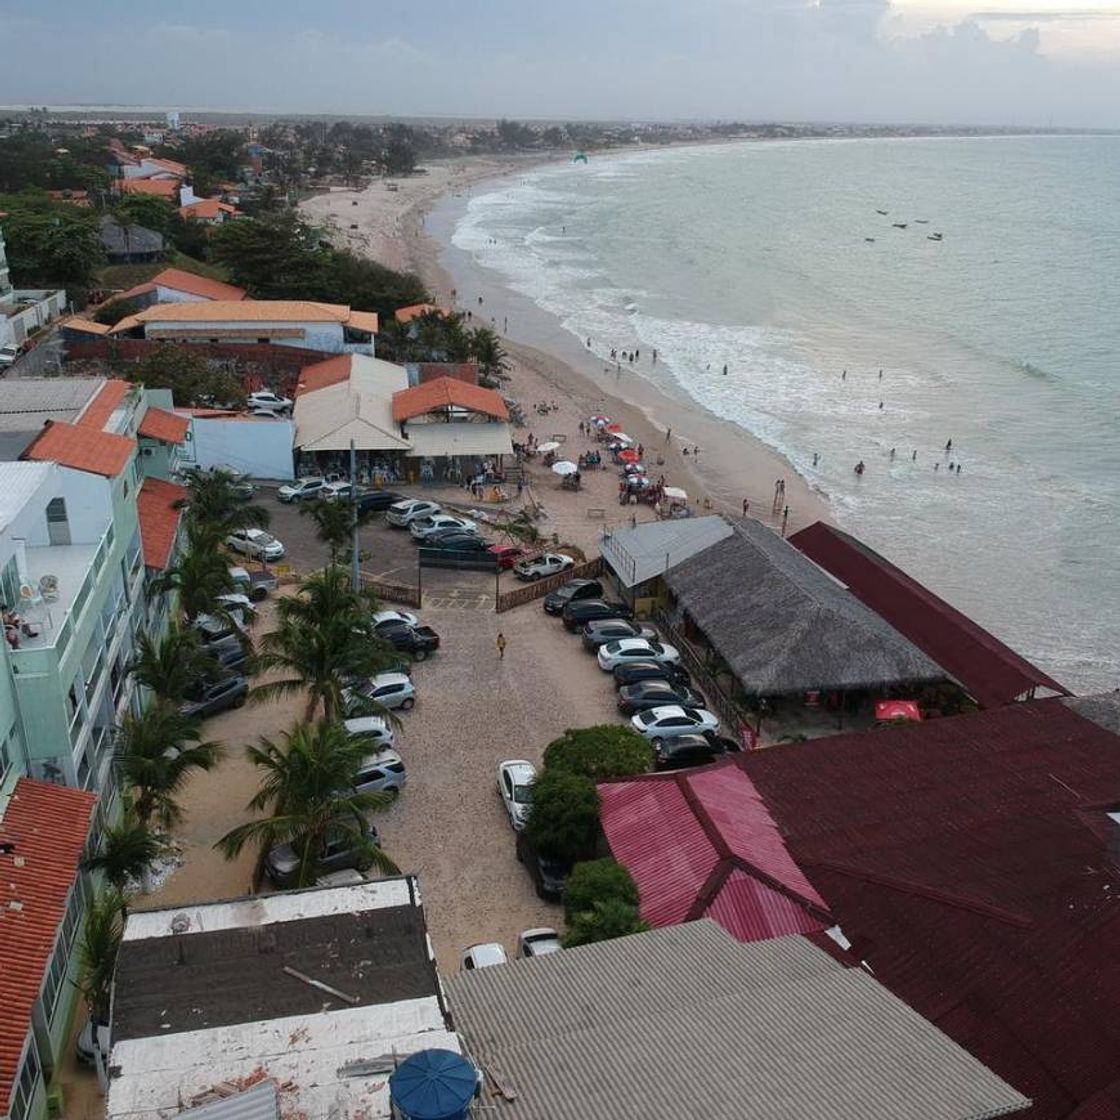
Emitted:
pixel 392 592
pixel 538 590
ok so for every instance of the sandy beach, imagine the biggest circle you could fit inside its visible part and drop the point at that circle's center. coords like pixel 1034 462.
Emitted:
pixel 732 467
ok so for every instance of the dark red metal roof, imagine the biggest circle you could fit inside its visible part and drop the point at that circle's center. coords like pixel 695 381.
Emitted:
pixel 989 671
pixel 968 862
pixel 702 844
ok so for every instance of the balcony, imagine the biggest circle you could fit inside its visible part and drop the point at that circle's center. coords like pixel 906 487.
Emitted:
pixel 76 567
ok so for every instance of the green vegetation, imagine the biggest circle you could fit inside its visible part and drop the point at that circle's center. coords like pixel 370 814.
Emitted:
pixel 600 752
pixel 192 380
pixel 125 276
pixel 126 853
pixel 606 919
pixel 564 819
pixel 32 158
pixel 167 668
pixel 600 902
pixel 200 576
pixel 212 502
pixel 435 337
pixel 98 946
pixel 50 244
pixel 334 525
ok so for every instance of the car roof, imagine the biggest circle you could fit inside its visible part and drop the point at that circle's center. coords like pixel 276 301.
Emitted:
pixel 668 710
pixel 390 678
pixel 539 933
pixel 628 643
pixel 519 768
pixel 364 723
pixel 487 952
pixel 381 758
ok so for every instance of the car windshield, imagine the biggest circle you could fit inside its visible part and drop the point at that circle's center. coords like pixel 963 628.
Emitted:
pixel 523 795
pixel 647 718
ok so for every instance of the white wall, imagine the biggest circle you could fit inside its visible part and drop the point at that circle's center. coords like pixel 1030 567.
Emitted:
pixel 316 336
pixel 173 295
pixel 89 505
pixel 261 448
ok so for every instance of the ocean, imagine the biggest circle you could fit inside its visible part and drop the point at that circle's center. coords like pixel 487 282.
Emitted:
pixel 1003 336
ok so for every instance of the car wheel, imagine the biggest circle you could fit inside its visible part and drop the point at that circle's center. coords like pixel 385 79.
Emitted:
pixel 239 702
pixel 407 705
pixel 364 864
pixel 541 892
pixel 534 577
pixel 420 655
pixel 655 743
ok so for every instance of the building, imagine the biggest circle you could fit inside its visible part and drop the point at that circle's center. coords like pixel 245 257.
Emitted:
pixel 417 311
pixel 972 863
pixel 173 285
pixel 322 992
pixel 44 829
pixel 130 244
pixel 160 188
pixel 23 311
pixel 259 446
pixel 209 211
pixel 323 327
pixel 687 1021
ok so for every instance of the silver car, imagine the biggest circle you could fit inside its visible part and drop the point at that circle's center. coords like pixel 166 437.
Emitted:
pixel 515 781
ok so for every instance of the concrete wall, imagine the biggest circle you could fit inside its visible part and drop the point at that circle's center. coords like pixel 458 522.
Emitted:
pixel 261 448
pixel 173 295
pixel 48 305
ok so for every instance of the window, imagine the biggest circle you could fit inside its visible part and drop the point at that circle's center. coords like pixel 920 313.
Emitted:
pixel 9 583
pixel 26 1083
pixel 58 523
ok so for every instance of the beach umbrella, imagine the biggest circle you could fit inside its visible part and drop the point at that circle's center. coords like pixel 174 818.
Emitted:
pixel 675 493
pixel 552 445
pixel 621 439
pixel 614 427
pixel 634 468
pixel 600 421
pixel 564 467
pixel 628 455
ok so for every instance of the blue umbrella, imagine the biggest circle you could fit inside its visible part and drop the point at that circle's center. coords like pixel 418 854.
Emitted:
pixel 433 1085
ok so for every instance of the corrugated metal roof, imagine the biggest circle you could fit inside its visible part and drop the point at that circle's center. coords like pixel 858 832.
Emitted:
pixel 971 862
pixel 654 547
pixel 688 1022
pixel 991 672
pixel 27 401
pixel 261 1102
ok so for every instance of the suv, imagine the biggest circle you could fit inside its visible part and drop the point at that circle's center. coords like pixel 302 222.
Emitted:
pixel 267 401
pixel 8 356
pixel 377 500
pixel 301 490
pixel 548 874
pixel 416 640
pixel 578 614
pixel 690 750
pixel 401 514
pixel 338 853
pixel 381 772
pixel 373 729
pixel 556 601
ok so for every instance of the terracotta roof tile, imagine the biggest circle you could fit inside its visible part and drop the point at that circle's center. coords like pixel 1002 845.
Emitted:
pixel 447 392
pixel 86 326
pixel 364 321
pixel 415 310
pixel 49 825
pixel 83 449
pixel 162 188
pixel 207 208
pixel 157 506
pixel 165 426
pixel 246 311
pixel 103 404
pixel 196 285
pixel 320 375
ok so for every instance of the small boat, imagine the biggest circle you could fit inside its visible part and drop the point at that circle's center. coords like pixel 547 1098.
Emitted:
pixel 871 239
pixel 883 212
pixel 934 237
pixel 899 225
pixel 921 221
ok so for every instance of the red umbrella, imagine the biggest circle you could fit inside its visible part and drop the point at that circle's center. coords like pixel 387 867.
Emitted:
pixel 629 455
pixel 614 427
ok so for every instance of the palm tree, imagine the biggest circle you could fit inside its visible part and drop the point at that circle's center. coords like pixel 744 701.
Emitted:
pixel 126 854
pixel 212 501
pixel 97 951
pixel 307 788
pixel 325 636
pixel 334 524
pixel 486 348
pixel 156 753
pixel 200 575
pixel 170 666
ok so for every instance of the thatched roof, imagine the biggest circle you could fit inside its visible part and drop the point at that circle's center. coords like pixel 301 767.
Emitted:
pixel 783 625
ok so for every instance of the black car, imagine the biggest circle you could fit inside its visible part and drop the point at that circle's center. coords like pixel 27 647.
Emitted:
pixel 642 695
pixel 578 614
pixel 339 852
pixel 556 601
pixel 456 540
pixel 230 653
pixel 417 640
pixel 377 500
pixel 548 874
pixel 209 697
pixel 650 671
pixel 682 751
pixel 603 630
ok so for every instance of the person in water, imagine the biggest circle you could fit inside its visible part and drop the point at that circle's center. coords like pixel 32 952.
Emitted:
pixel 860 467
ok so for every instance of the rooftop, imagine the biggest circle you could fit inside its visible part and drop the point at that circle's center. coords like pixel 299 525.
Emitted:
pixel 136 239
pixel 348 398
pixel 971 862
pixel 207 208
pixel 688 1022
pixel 446 393
pixel 159 510
pixel 650 549
pixel 246 310
pixel 48 825
pixel 189 282
pixel 105 402
pixel 18 484
pixel 26 402
pixel 415 310
pixel 167 427
pixel 70 564
pixel 163 188
pixel 82 448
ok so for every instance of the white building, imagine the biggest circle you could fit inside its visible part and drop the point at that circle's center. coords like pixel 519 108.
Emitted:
pixel 24 311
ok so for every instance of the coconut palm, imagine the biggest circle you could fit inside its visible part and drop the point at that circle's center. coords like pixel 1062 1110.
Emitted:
pixel 486 349
pixel 307 788
pixel 156 753
pixel 168 667
pixel 97 950
pixel 334 524
pixel 200 575
pixel 212 501
pixel 324 637
pixel 126 853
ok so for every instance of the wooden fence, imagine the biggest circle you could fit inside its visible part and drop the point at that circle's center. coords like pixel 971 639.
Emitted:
pixel 402 593
pixel 591 569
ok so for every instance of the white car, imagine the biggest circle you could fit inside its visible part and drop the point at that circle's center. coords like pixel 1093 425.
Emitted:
pixel 372 729
pixel 8 355
pixel 336 492
pixel 515 781
pixel 538 943
pixel 403 514
pixel 485 955
pixel 424 526
pixel 379 617
pixel 301 489
pixel 664 723
pixel 272 402
pixel 390 690
pixel 635 649
pixel 548 564
pixel 255 542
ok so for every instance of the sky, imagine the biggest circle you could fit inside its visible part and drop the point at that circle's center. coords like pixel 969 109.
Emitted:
pixel 1016 62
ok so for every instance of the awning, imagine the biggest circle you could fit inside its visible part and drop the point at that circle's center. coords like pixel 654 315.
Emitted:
pixel 439 440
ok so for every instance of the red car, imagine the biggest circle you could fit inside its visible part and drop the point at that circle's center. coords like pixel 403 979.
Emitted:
pixel 508 554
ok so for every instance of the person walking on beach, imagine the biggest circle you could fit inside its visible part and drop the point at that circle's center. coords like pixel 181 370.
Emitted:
pixel 746 506
pixel 640 450
pixel 949 446
pixel 668 434
pixel 844 376
pixel 724 369
pixel 655 357
pixel 520 485
pixel 500 642
pixel 914 457
pixel 816 458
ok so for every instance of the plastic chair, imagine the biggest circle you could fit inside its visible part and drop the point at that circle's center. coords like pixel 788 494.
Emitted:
pixel 48 588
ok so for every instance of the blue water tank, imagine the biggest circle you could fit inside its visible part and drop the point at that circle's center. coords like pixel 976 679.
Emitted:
pixel 433 1085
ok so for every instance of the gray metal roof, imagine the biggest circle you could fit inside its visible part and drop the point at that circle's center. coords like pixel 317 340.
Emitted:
pixel 26 402
pixel 649 550
pixel 139 239
pixel 261 1102
pixel 686 1021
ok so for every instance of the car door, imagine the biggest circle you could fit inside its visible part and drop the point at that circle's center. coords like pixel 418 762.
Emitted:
pixel 507 793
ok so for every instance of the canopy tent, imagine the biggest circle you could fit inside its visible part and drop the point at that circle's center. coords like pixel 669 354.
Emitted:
pixel 550 445
pixel 675 493
pixel 628 455
pixel 565 467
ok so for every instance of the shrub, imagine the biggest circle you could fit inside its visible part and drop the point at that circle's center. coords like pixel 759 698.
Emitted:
pixel 564 820
pixel 599 752
pixel 606 919
pixel 597 880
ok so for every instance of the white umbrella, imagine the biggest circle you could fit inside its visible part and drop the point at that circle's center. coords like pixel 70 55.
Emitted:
pixel 564 467
pixel 676 493
pixel 621 437
pixel 552 445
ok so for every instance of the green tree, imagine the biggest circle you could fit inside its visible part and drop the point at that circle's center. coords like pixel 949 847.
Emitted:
pixel 50 244
pixel 398 155
pixel 168 667
pixel 156 753
pixel 98 946
pixel 486 349
pixel 607 919
pixel 200 576
pixel 564 818
pixel 600 752
pixel 190 378
pixel 213 504
pixel 334 524
pixel 126 853
pixel 147 210
pixel 596 881
pixel 306 791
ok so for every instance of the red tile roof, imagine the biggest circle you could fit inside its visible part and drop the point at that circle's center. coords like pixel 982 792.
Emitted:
pixel 447 392
pixel 48 825
pixel 990 672
pixel 702 844
pixel 162 188
pixel 415 310
pixel 971 863
pixel 320 375
pixel 196 285
pixel 207 208
pixel 83 449
pixel 165 426
pixel 103 404
pixel 159 511
pixel 461 371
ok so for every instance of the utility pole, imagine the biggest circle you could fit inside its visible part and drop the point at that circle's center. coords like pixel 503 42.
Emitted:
pixel 355 572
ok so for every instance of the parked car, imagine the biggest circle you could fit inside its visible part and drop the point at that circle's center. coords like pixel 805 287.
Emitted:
pixel 456 540
pixel 574 589
pixel 508 555
pixel 401 514
pixel 210 696
pixel 515 781
pixel 407 617
pixel 547 564
pixel 691 749
pixel 336 492
pixel 8 356
pixel 372 729
pixel 602 630
pixel 390 690
pixel 630 672
pixel 239 484
pixel 240 607
pixel 92 1040
pixel 424 526
pixel 548 873
pixel 381 772
pixel 301 490
pixel 230 653
pixel 211 629
pixel 538 943
pixel 416 640
pixel 673 719
pixel 339 852
pixel 347 877
pixel 377 500
pixel 485 955
pixel 643 695
pixel 635 649
pixel 255 543
pixel 255 585
pixel 578 614
pixel 269 401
